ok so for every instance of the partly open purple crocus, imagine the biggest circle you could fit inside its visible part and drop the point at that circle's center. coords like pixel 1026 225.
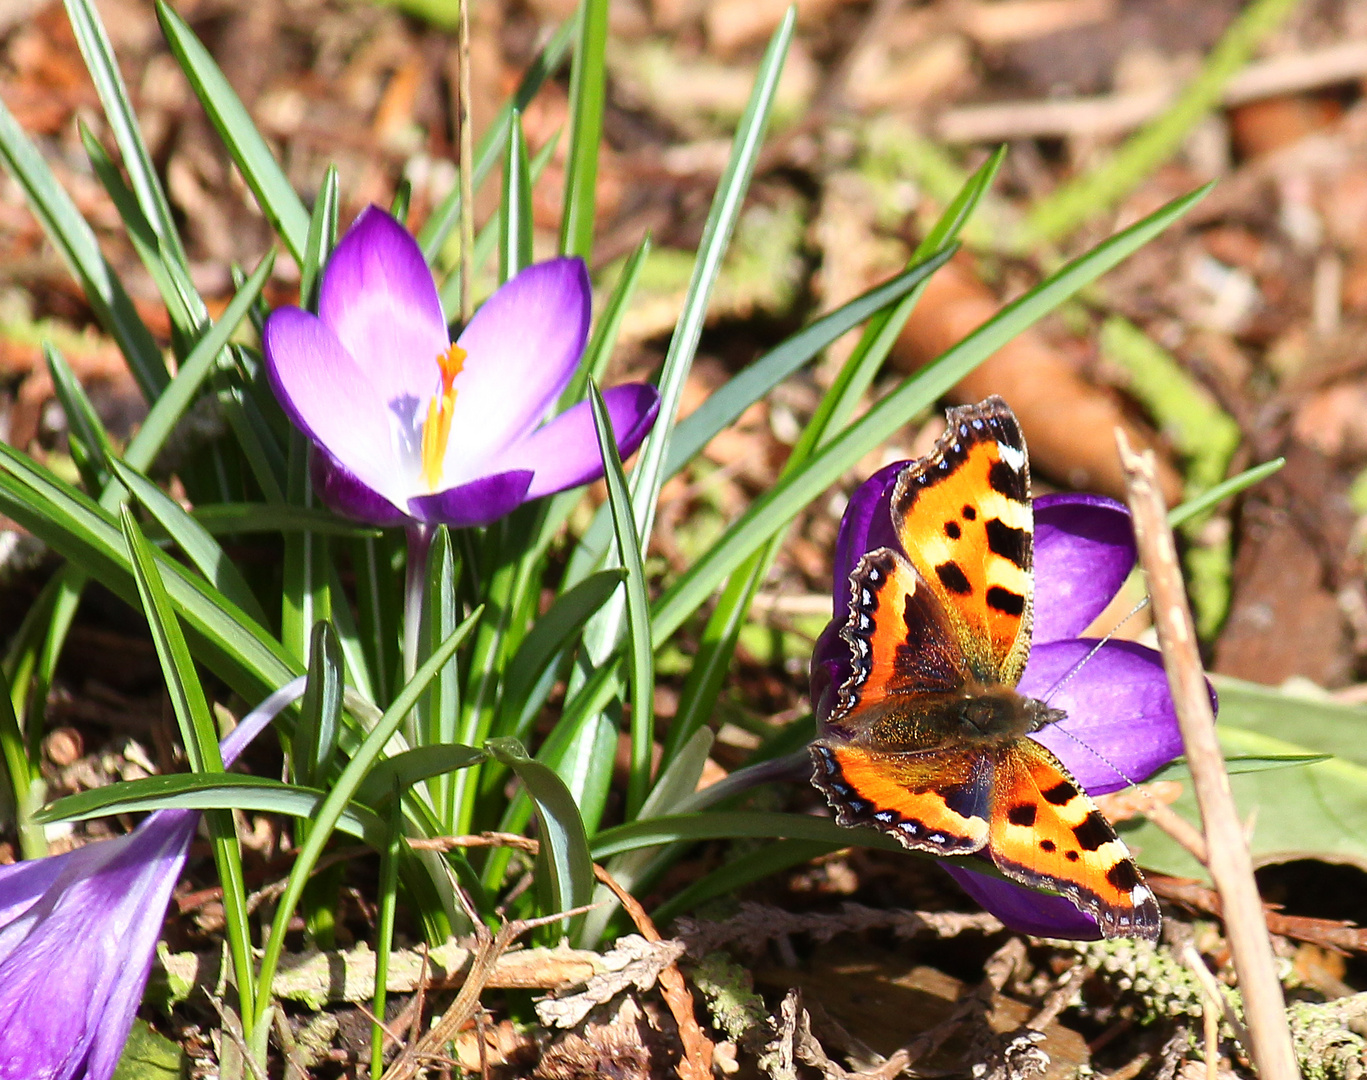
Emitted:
pixel 1120 725
pixel 412 428
pixel 78 932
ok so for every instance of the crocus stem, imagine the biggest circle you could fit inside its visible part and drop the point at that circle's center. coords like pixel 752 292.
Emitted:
pixel 415 587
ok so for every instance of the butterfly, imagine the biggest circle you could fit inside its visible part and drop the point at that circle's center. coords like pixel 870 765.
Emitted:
pixel 928 739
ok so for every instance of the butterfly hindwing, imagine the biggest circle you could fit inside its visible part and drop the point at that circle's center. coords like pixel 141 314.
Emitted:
pixel 934 801
pixel 1046 832
pixel 963 517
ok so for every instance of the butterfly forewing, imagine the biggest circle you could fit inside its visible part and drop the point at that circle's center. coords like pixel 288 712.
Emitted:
pixel 964 520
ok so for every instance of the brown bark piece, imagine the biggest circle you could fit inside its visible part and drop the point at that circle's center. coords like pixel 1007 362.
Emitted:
pixel 1068 422
pixel 1283 621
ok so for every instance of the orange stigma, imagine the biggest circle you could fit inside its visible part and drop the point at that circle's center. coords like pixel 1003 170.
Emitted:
pixel 436 431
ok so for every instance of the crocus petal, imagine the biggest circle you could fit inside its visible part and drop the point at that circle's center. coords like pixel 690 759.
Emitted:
pixel 78 932
pixel 564 453
pixel 1121 725
pixel 1022 909
pixel 1084 550
pixel 378 296
pixel 348 496
pixel 830 669
pixel 328 396
pixel 476 503
pixel 73 966
pixel 865 525
pixel 522 347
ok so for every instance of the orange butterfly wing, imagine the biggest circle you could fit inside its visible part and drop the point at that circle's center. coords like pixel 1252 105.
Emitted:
pixel 1046 833
pixel 964 518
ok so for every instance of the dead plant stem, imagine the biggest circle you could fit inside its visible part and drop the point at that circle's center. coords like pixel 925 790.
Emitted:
pixel 1230 866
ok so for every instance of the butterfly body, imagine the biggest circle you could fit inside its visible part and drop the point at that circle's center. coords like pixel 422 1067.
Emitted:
pixel 929 740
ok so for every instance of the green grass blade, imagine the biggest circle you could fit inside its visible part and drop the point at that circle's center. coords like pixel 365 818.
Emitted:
pixel 563 840
pixel 773 510
pixel 552 633
pixel 201 791
pixel 193 539
pixel 200 740
pixel 1226 489
pixel 642 667
pixel 189 316
pixel 343 789
pixel 265 178
pixel 75 241
pixel 123 123
pixel 322 238
pixel 734 825
pixel 588 98
pixel 649 474
pixel 320 710
pixel 515 220
pixel 729 879
pixel 170 406
pixel 86 436
pixel 219 519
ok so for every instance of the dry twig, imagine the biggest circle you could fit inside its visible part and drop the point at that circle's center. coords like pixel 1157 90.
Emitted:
pixel 1230 865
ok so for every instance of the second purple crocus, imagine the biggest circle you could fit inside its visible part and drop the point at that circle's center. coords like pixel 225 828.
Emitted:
pixel 412 428
pixel 78 932
pixel 1120 725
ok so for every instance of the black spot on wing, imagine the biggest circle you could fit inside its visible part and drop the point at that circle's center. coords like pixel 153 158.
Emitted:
pixel 952 530
pixel 1061 793
pixel 1047 845
pixel 1093 832
pixel 1071 856
pixel 953 579
pixel 1006 481
pixel 1123 875
pixel 1004 600
pixel 1008 542
pixel 1022 814
pixel 969 513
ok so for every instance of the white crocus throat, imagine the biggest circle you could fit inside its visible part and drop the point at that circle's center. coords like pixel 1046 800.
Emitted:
pixel 436 429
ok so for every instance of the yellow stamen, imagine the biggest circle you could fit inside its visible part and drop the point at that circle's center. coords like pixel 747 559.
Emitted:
pixel 436 431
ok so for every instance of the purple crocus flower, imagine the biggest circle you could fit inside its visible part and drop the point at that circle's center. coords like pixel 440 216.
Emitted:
pixel 1120 725
pixel 78 932
pixel 414 429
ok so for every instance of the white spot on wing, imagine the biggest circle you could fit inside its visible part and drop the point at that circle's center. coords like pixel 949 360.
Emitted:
pixel 1011 455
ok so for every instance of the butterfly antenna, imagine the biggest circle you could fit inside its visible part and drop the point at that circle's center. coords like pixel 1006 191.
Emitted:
pixel 1140 606
pixel 1072 672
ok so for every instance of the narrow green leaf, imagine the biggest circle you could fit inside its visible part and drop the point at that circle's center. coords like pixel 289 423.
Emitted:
pixel 226 519
pixel 192 538
pixel 413 766
pixel 1227 489
pixel 734 825
pixel 588 98
pixel 330 811
pixel 515 221
pixel 248 149
pixel 563 839
pixel 175 398
pixel 74 239
pixel 123 122
pixel 203 791
pixel 642 667
pixel 321 239
pixel 320 711
pixel 199 738
pixel 88 440
pixel 552 633
pixel 776 507
pixel 746 869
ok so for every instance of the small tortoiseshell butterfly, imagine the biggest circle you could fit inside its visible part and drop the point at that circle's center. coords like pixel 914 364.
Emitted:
pixel 928 740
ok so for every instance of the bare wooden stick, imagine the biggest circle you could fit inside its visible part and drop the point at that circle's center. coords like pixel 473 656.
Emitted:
pixel 1230 866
